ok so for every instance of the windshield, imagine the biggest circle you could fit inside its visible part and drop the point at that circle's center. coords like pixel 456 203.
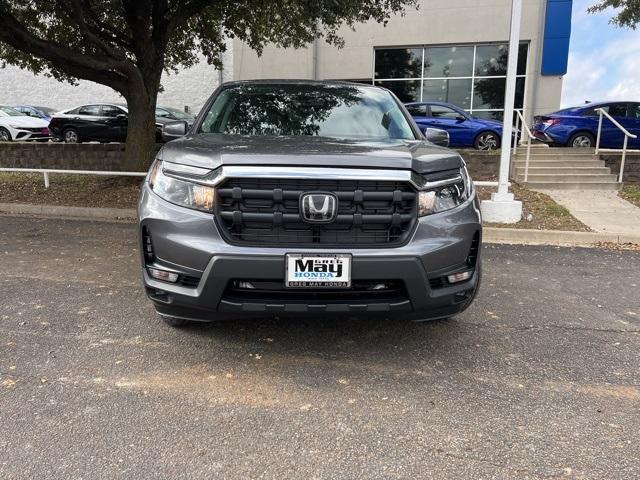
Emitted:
pixel 12 112
pixel 47 111
pixel 338 111
pixel 179 114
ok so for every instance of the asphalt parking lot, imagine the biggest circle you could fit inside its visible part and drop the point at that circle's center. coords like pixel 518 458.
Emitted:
pixel 539 379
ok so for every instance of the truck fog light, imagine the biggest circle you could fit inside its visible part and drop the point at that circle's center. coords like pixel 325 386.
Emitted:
pixel 245 285
pixel 163 275
pixel 460 276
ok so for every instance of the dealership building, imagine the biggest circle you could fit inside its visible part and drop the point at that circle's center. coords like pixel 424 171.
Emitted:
pixel 447 50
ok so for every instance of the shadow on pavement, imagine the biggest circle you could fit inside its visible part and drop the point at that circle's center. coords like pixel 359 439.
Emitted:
pixel 338 338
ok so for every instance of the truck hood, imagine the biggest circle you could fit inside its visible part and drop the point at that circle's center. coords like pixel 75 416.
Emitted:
pixel 214 150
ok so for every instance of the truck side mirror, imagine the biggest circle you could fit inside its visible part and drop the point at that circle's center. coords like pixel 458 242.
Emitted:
pixel 437 136
pixel 174 130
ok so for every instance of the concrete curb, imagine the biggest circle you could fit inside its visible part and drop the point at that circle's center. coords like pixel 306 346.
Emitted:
pixel 522 236
pixel 490 234
pixel 77 213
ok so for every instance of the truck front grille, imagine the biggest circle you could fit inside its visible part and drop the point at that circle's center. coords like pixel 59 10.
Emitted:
pixel 267 212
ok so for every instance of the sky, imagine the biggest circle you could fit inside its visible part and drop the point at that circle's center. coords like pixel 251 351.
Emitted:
pixel 604 60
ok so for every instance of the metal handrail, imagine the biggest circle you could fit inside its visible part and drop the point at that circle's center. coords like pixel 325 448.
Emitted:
pixel 627 135
pixel 520 120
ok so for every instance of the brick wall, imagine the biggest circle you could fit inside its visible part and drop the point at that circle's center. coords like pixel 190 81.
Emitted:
pixel 90 156
pixel 108 156
pixel 481 165
pixel 485 165
pixel 82 156
pixel 631 165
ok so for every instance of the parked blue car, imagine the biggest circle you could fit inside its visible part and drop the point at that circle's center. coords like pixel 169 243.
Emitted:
pixel 464 129
pixel 578 126
pixel 44 113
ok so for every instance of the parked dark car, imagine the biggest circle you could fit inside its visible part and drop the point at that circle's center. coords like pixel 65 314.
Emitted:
pixel 104 122
pixel 173 114
pixel 578 126
pixel 465 131
pixel 97 122
pixel 307 198
pixel 44 113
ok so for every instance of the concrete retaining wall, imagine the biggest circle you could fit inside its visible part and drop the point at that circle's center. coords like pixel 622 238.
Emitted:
pixel 485 165
pixel 481 165
pixel 83 156
pixel 631 165
pixel 108 156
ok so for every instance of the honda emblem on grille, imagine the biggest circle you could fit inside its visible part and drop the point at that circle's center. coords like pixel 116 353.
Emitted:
pixel 318 207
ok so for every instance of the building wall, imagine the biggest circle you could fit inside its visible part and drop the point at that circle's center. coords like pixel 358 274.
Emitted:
pixel 190 87
pixel 435 22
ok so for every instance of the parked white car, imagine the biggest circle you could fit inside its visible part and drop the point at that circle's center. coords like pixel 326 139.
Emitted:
pixel 15 125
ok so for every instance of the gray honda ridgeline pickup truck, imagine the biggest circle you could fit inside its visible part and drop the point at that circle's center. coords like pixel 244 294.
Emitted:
pixel 305 198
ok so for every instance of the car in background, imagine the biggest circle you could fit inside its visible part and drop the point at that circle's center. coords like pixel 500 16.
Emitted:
pixel 15 125
pixel 168 114
pixel 578 126
pixel 104 122
pixel 464 130
pixel 45 113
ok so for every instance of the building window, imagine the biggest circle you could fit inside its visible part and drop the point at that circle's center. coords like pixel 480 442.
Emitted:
pixel 473 77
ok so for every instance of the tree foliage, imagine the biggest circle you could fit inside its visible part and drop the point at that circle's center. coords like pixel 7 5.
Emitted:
pixel 127 44
pixel 627 11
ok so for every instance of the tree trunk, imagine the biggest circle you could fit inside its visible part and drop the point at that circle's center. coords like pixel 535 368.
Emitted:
pixel 141 130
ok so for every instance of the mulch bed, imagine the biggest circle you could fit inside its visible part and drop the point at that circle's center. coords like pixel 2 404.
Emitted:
pixel 70 190
pixel 631 193
pixel 539 211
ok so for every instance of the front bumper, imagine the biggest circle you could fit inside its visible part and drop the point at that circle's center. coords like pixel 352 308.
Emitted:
pixel 188 242
pixel 26 134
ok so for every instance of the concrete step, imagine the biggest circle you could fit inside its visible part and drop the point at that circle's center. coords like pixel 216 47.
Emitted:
pixel 557 157
pixel 563 170
pixel 559 164
pixel 573 185
pixel 578 178
pixel 558 150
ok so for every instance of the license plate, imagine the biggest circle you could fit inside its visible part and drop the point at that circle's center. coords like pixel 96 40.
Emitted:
pixel 317 271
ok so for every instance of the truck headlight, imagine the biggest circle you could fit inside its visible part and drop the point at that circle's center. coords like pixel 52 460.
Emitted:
pixel 444 194
pixel 181 192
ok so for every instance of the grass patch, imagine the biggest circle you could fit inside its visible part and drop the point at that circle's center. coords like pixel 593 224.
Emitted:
pixel 631 193
pixel 70 190
pixel 539 211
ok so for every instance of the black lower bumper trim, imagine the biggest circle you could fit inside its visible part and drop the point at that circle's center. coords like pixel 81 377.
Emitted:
pixel 212 301
pixel 227 306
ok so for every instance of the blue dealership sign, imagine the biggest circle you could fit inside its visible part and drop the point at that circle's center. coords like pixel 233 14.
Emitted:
pixel 557 33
